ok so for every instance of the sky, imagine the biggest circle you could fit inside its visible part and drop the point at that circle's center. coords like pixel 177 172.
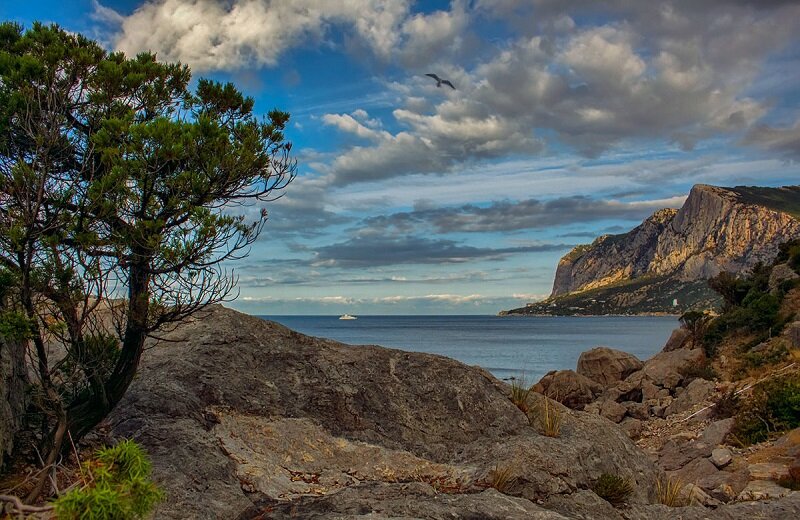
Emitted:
pixel 568 120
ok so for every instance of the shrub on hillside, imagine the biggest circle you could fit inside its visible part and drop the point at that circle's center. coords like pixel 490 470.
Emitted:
pixel 773 407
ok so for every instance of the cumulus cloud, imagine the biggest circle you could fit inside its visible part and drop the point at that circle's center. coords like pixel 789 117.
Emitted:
pixel 230 35
pixel 679 73
pixel 235 34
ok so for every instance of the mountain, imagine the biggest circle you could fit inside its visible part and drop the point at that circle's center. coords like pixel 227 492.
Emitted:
pixel 672 253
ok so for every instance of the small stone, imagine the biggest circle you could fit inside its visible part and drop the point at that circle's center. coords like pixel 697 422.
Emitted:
pixel 633 427
pixel 762 490
pixel 721 457
pixel 716 432
pixel 637 410
pixel 613 411
pixel 768 471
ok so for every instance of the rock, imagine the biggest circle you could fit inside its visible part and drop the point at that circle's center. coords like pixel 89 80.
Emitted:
pixel 768 471
pixel 583 504
pixel 792 332
pixel 613 411
pixel 695 471
pixel 409 500
pixel 632 427
pixel 235 410
pixel 676 340
pixel 721 457
pixel 676 453
pixel 715 433
pixel 724 485
pixel 592 408
pixel 649 390
pixel 762 490
pixel 606 365
pixel 568 388
pixel 665 368
pixel 779 274
pixel 696 495
pixel 783 509
pixel 637 410
pixel 695 393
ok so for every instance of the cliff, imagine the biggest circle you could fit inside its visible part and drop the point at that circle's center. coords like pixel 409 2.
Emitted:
pixel 671 254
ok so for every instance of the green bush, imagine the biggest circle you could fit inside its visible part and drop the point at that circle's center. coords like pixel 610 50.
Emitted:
pixel 613 489
pixel 14 326
pixel 116 486
pixel 773 407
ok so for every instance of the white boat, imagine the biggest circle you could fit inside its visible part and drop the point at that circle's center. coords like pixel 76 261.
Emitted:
pixel 347 317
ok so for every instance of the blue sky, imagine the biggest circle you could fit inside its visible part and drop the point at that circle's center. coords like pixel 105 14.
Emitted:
pixel 570 119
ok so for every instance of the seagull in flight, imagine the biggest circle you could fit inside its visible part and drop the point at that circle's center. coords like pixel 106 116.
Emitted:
pixel 440 81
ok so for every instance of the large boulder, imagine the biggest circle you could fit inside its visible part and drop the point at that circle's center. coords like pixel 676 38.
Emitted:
pixel 236 412
pixel 568 388
pixel 666 369
pixel 606 365
pixel 696 392
pixel 677 339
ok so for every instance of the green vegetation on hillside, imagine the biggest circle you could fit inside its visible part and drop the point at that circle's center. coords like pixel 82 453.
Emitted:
pixel 750 305
pixel 645 295
pixel 749 331
pixel 785 199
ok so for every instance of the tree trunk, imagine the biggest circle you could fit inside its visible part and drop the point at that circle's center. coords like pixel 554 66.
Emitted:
pixel 85 414
pixel 13 399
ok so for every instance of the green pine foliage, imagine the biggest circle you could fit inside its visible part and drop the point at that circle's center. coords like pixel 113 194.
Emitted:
pixel 116 486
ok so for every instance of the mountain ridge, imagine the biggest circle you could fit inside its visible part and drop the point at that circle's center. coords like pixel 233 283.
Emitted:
pixel 717 229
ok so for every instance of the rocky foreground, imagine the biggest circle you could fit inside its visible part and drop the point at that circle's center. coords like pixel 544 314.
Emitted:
pixel 247 419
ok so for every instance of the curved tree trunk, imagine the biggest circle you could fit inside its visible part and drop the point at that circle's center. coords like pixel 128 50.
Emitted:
pixel 13 398
pixel 85 414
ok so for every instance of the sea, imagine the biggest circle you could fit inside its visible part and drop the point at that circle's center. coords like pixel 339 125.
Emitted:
pixel 509 347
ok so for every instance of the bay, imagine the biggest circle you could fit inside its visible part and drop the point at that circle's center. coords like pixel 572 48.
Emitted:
pixel 506 346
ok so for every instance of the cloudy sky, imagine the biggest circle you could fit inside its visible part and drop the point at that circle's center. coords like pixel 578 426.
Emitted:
pixel 569 119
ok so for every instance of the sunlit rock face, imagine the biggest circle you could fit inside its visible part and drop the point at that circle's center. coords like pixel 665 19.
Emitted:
pixel 717 229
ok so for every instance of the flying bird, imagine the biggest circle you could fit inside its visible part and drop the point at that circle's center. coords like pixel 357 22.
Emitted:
pixel 440 81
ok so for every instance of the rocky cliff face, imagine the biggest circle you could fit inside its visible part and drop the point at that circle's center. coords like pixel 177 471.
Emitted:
pixel 717 229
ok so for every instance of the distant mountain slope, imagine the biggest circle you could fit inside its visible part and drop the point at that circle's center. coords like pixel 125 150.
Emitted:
pixel 671 254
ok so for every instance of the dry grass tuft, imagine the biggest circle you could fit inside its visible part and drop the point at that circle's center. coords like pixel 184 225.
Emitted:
pixel 669 492
pixel 550 418
pixel 502 478
pixel 520 394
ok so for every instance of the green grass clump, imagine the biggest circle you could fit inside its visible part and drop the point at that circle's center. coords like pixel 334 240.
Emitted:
pixel 773 407
pixel 116 485
pixel 613 489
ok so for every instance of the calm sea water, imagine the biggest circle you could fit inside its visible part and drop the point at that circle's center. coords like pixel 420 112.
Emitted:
pixel 510 346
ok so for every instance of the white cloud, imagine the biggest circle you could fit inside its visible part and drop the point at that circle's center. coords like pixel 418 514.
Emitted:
pixel 213 35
